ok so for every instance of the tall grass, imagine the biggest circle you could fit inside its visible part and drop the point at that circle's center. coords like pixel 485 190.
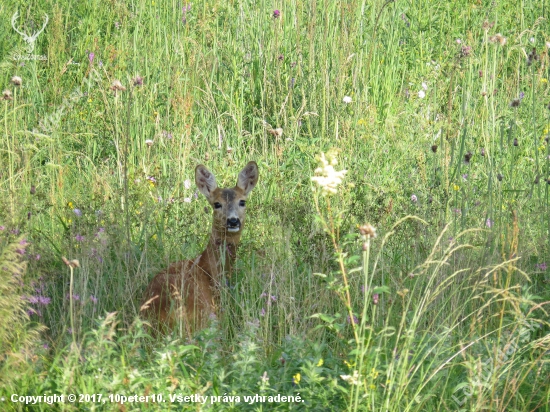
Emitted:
pixel 446 119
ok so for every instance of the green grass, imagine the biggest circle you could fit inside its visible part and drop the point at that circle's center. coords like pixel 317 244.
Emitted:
pixel 450 300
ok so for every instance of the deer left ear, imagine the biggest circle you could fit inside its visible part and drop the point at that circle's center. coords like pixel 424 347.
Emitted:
pixel 248 177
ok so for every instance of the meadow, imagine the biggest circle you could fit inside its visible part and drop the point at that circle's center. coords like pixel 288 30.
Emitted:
pixel 410 274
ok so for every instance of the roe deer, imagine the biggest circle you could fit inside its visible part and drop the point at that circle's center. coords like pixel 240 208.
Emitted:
pixel 188 291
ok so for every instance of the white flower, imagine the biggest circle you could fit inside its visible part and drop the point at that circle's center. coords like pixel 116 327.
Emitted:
pixel 149 142
pixel 326 177
pixel 187 200
pixel 347 100
pixel 421 94
pixel 187 183
pixel 424 86
pixel 458 41
pixel 351 379
pixel 532 40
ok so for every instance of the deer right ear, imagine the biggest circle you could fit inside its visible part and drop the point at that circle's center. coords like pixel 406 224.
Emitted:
pixel 205 180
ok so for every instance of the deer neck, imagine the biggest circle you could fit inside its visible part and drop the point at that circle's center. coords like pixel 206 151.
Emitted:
pixel 220 255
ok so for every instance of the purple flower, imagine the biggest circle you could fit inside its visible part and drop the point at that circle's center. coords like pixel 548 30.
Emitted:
pixel 79 238
pixel 355 320
pixel 541 266
pixel 276 14
pixel 91 57
pixel 93 299
pixel 77 212
pixel 20 251
pixel 2 227
pixel 23 242
pixel 521 95
pixel 46 346
pixel 273 298
pixel 375 298
pixel 465 176
pixel 489 223
pixel 44 300
pixel 37 257
pixel 262 312
pixel 75 297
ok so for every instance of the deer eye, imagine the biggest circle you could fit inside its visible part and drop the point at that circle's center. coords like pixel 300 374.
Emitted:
pixel 217 205
pixel 242 203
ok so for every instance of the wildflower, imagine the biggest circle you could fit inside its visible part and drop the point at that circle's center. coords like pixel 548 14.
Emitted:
pixel 138 80
pixel 465 176
pixel 276 14
pixel 117 86
pixel 367 230
pixel 347 99
pixel 262 312
pixel 264 378
pixel 320 363
pixel 326 176
pixel 91 57
pixel 93 299
pixel 43 300
pixel 79 238
pixel 184 11
pixel 296 378
pixel 456 187
pixel 421 94
pixel 16 80
pixel 414 199
pixel 77 212
pixel 375 298
pixel 465 51
pixel 498 38
pixel 489 223
pixel 187 200
pixel 351 379
pixel 187 183
pixel 424 86
pixel 6 95
pixel 2 227
pixel 149 142
pixel 353 320
pixel 166 134
pixel 541 266
pixel 434 148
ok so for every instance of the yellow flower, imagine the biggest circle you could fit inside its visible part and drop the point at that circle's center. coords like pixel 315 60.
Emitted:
pixel 154 237
pixel 374 373
pixel 296 378
pixel 90 100
pixel 543 80
pixel 320 363
pixel 70 205
pixel 372 387
pixel 456 187
pixel 362 122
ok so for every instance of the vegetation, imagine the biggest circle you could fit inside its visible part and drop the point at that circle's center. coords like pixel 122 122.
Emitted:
pixel 417 280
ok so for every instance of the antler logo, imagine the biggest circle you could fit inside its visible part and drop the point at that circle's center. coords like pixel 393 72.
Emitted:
pixel 28 39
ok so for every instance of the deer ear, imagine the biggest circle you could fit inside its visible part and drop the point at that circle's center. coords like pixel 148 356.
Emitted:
pixel 248 177
pixel 205 180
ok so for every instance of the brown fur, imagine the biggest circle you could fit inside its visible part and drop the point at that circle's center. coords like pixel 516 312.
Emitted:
pixel 188 291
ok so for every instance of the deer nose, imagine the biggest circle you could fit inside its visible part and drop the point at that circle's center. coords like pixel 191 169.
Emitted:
pixel 233 222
